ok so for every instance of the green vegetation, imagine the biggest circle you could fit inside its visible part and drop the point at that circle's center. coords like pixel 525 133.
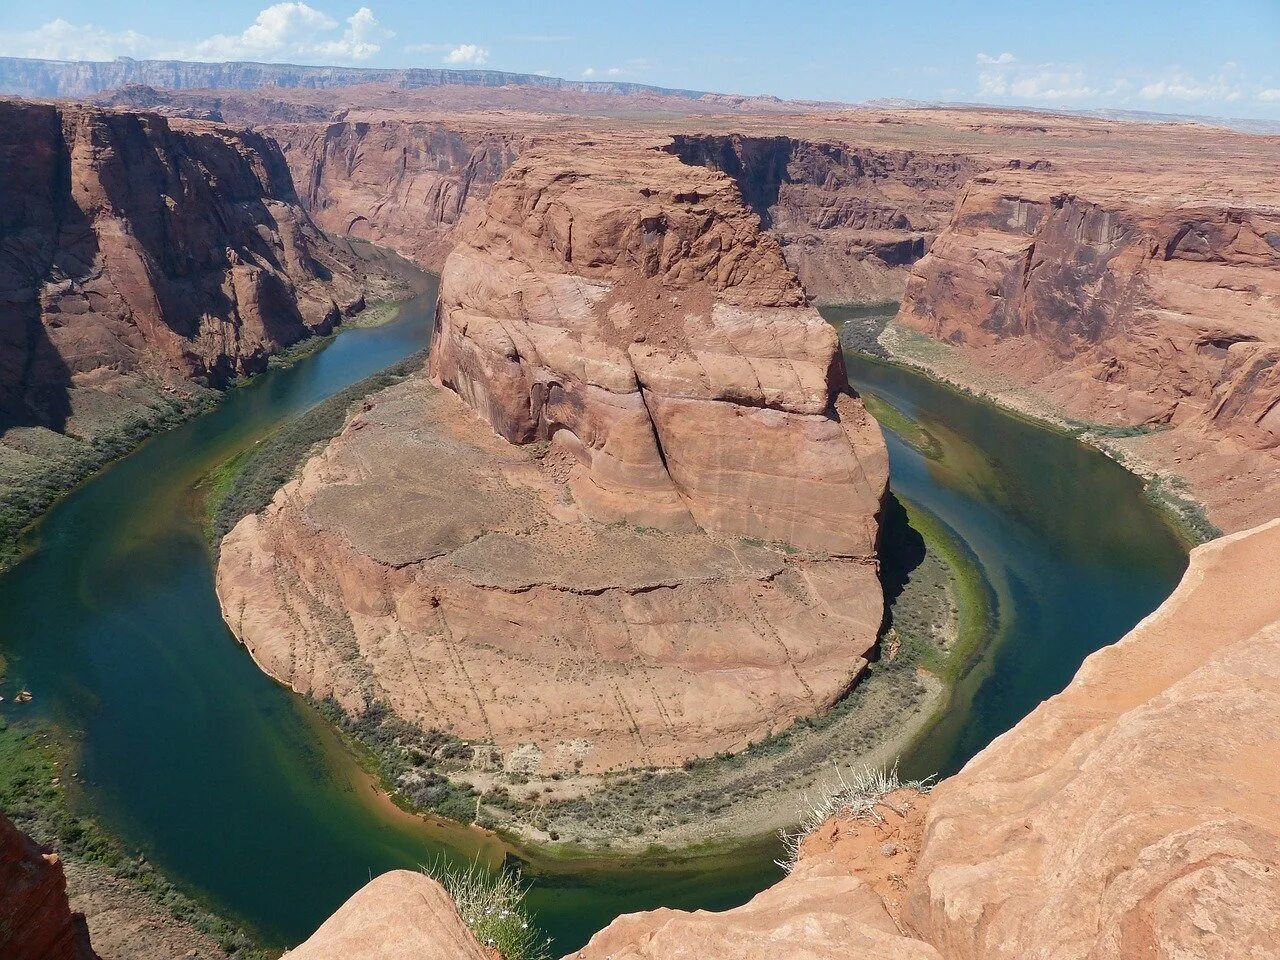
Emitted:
pixel 39 466
pixel 412 764
pixel 907 430
pixel 491 904
pixel 1188 517
pixel 34 797
pixel 246 483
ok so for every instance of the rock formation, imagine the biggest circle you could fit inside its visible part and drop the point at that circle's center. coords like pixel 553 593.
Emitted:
pixel 1133 815
pixel 851 219
pixel 36 923
pixel 137 248
pixel 399 916
pixel 401 183
pixel 663 548
pixel 1125 302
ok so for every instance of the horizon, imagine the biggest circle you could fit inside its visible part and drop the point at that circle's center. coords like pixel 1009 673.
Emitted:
pixel 1221 62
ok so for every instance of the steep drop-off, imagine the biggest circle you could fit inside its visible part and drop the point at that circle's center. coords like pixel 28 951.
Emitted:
pixel 1125 302
pixel 36 922
pixel 851 219
pixel 1133 815
pixel 656 542
pixel 134 247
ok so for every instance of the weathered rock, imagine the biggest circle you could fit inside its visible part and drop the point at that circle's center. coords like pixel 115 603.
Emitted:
pixel 1125 302
pixel 400 183
pixel 1133 815
pixel 133 246
pixel 685 565
pixel 401 915
pixel 36 923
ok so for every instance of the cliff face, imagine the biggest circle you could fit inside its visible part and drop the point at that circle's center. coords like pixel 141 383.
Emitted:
pixel 1133 815
pixel 132 246
pixel 658 540
pixel 399 183
pixel 851 219
pixel 1125 303
pixel 36 922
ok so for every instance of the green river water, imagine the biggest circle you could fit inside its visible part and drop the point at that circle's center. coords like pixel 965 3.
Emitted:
pixel 241 793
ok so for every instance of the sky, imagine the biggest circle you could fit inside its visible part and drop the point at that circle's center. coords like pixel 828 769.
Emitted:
pixel 1215 57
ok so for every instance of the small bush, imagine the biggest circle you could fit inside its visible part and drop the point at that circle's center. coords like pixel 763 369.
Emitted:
pixel 491 904
pixel 856 797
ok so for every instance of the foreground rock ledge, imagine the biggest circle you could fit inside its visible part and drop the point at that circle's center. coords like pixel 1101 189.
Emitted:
pixel 658 540
pixel 1134 815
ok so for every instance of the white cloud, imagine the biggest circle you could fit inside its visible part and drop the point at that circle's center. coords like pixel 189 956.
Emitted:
pixel 1270 95
pixel 283 31
pixel 1053 85
pixel 1001 60
pixel 542 73
pixel 589 72
pixel 61 40
pixel 1224 85
pixel 468 53
pixel 615 71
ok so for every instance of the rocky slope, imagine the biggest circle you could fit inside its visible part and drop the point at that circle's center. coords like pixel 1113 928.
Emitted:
pixel 1133 815
pixel 1126 301
pixel 851 219
pixel 658 540
pixel 401 183
pixel 36 922
pixel 138 247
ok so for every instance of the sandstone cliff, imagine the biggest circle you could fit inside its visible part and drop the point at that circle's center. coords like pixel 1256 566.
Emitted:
pixel 136 247
pixel 851 219
pixel 1125 302
pixel 659 541
pixel 36 922
pixel 1133 815
pixel 400 183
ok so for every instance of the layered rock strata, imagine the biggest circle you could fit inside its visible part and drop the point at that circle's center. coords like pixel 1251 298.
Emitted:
pixel 36 922
pixel 1125 302
pixel 657 540
pixel 138 248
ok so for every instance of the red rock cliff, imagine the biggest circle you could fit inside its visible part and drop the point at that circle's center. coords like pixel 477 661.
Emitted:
pixel 131 245
pixel 36 922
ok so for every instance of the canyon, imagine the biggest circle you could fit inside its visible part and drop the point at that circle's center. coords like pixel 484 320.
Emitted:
pixel 635 490
pixel 631 484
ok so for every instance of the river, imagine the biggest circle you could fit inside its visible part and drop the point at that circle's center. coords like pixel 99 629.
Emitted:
pixel 240 792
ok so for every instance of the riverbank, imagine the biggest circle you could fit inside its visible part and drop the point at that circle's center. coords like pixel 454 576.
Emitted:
pixel 936 620
pixel 1169 491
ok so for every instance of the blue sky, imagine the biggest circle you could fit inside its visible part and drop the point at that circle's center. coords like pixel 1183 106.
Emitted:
pixel 1218 58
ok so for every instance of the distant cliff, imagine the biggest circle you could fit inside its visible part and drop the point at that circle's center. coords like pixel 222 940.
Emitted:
pixel 78 78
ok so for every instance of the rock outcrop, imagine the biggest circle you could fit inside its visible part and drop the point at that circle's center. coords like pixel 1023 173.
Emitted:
pixel 401 915
pixel 1125 302
pixel 851 219
pixel 658 542
pixel 1133 815
pixel 400 183
pixel 134 247
pixel 36 922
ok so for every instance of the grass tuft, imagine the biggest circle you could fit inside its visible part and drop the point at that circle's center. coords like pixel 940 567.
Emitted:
pixel 491 904
pixel 857 797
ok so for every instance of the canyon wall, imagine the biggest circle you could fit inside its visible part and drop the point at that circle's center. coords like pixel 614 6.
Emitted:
pixel 1125 302
pixel 656 540
pixel 36 922
pixel 138 248
pixel 1133 815
pixel 400 183
pixel 851 219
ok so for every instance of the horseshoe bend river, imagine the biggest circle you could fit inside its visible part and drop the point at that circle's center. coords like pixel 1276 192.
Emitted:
pixel 243 795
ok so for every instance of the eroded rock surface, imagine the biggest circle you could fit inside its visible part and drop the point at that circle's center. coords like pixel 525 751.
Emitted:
pixel 36 922
pixel 138 248
pixel 1126 302
pixel 659 541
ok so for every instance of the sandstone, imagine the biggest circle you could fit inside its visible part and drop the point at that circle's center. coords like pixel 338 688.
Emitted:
pixel 401 915
pixel 36 922
pixel 639 552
